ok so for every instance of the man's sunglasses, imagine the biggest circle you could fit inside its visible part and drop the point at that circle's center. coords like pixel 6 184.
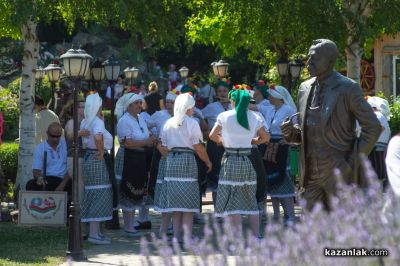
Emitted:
pixel 55 136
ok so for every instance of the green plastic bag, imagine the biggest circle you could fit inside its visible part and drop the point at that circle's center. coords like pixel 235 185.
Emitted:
pixel 294 161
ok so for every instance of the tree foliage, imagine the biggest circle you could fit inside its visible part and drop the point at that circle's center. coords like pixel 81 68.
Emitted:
pixel 152 23
pixel 259 26
pixel 286 27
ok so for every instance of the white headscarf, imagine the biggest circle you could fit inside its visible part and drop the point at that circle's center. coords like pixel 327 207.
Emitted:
pixel 123 103
pixel 182 103
pixel 381 105
pixel 92 106
pixel 171 96
pixel 280 92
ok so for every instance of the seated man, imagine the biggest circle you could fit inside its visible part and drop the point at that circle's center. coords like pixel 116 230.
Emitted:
pixel 51 175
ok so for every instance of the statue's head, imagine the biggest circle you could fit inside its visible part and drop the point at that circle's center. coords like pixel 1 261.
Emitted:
pixel 321 57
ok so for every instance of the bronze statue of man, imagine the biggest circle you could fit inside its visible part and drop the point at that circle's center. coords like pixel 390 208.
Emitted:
pixel 329 105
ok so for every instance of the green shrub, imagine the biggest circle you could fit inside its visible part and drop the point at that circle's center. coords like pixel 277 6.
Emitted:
pixel 9 160
pixel 10 109
pixel 394 106
pixel 14 86
pixel 107 120
pixel 394 121
pixel 42 88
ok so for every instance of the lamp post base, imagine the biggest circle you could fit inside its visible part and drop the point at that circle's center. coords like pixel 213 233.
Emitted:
pixel 75 245
pixel 76 256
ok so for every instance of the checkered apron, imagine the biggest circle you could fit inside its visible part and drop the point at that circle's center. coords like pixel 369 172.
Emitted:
pixel 97 196
pixel 237 184
pixel 159 202
pixel 180 188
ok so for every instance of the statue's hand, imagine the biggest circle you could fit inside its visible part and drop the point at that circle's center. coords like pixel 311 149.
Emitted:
pixel 287 127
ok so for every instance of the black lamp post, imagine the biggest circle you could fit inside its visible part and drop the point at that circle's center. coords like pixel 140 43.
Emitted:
pixel 220 68
pixel 131 74
pixel 184 73
pixel 39 75
pixel 88 77
pixel 76 63
pixel 289 71
pixel 112 68
pixel 53 71
pixel 97 73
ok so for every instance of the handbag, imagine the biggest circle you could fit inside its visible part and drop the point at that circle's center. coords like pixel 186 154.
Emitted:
pixel 271 152
pixel 271 157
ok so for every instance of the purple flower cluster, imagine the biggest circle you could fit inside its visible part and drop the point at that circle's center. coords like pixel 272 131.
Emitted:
pixel 360 218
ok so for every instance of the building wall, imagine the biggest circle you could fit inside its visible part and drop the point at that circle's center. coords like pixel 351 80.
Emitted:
pixel 385 48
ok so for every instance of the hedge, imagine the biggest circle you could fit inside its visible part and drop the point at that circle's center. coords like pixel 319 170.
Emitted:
pixel 9 161
pixel 107 119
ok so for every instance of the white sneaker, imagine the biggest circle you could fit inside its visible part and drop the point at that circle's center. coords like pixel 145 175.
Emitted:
pixel 98 241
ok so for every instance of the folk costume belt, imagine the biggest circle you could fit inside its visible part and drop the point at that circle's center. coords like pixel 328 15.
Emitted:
pixel 238 151
pixel 181 150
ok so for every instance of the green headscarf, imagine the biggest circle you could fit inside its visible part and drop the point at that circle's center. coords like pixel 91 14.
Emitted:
pixel 242 100
pixel 223 84
pixel 263 88
pixel 187 88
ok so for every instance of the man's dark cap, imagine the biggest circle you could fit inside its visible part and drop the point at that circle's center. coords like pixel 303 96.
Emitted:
pixel 38 100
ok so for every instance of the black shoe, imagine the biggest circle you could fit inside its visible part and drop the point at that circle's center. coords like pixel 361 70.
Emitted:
pixel 143 226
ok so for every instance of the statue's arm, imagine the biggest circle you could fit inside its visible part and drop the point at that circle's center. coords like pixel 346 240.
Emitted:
pixel 370 126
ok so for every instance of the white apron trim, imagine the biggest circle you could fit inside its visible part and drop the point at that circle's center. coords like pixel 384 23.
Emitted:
pixel 233 183
pixel 177 210
pixel 98 186
pixel 223 214
pixel 96 219
pixel 180 179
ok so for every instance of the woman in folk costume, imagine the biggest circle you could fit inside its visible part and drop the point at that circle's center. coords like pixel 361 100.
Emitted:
pixel 198 116
pixel 131 164
pixel 236 130
pixel 262 103
pixel 158 164
pixel 97 196
pixel 279 183
pixel 377 156
pixel 181 137
pixel 214 151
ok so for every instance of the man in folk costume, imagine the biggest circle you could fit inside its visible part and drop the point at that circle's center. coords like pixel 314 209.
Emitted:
pixel 131 161
pixel 214 151
pixel 237 130
pixel 181 137
pixel 158 164
pixel 329 105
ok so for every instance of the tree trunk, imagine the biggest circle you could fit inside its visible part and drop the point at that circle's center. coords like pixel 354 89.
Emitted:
pixel 27 90
pixel 354 52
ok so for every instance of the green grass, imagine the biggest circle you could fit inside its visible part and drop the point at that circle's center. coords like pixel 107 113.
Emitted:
pixel 32 246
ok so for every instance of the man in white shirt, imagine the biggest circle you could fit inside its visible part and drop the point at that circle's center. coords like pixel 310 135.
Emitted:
pixel 52 174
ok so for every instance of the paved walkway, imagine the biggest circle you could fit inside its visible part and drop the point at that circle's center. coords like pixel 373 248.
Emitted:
pixel 126 251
